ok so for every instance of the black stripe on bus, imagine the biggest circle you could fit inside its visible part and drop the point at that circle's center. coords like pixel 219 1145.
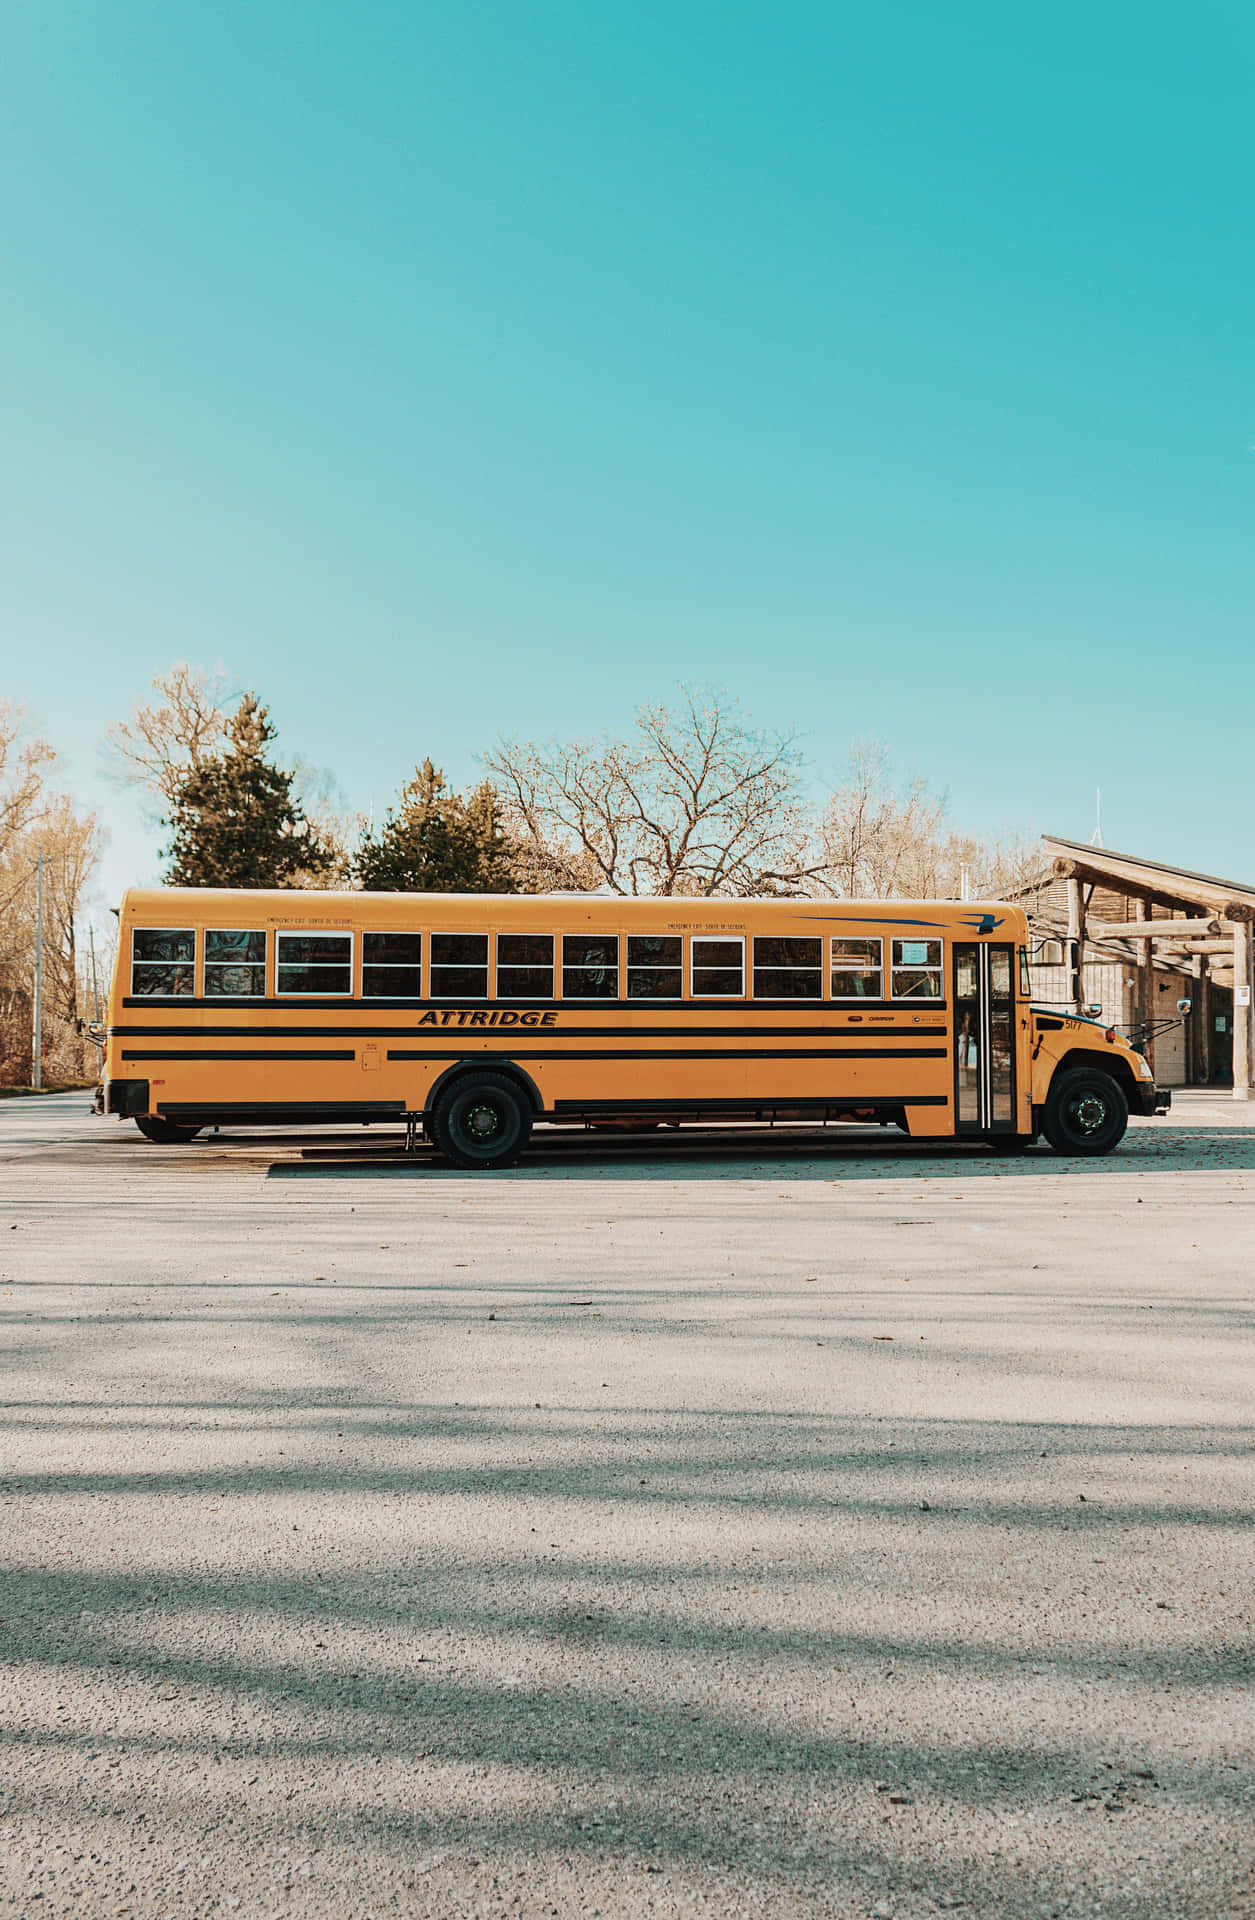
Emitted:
pixel 851 1103
pixel 617 1031
pixel 340 1002
pixel 210 1112
pixel 674 1053
pixel 241 1053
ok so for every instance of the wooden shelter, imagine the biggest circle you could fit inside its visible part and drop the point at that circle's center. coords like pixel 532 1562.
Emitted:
pixel 1120 932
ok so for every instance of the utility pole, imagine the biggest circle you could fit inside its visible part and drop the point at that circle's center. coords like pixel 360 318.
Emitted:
pixel 91 946
pixel 37 1034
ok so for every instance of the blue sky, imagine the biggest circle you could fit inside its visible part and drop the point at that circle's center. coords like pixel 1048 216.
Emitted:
pixel 449 370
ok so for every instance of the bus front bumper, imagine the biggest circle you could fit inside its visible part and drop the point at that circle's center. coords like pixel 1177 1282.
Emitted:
pixel 1150 1100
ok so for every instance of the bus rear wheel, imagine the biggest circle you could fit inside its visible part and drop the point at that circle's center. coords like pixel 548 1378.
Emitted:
pixel 482 1121
pixel 1086 1112
pixel 166 1133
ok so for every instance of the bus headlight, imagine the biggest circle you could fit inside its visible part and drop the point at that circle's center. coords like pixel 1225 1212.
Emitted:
pixel 1143 1067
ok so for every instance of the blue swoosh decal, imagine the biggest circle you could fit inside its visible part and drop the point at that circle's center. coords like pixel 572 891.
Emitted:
pixel 869 920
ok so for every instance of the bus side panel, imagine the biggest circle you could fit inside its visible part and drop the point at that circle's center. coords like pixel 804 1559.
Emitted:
pixel 270 1070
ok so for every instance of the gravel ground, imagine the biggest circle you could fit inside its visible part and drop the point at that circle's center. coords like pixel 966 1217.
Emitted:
pixel 768 1528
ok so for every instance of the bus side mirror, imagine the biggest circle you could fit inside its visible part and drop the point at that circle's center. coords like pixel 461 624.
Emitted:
pixel 1092 1011
pixel 1183 1006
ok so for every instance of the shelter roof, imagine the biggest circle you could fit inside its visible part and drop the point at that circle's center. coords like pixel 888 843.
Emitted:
pixel 1130 874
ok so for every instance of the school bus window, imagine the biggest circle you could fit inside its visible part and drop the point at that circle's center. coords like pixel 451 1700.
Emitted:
pixel 717 969
pixel 235 964
pixel 654 967
pixel 314 963
pixel 525 966
pixel 590 966
pixel 788 969
pixel 858 969
pixel 459 966
pixel 392 966
pixel 916 969
pixel 163 962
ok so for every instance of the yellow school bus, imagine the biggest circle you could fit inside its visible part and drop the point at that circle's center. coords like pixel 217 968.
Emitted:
pixel 474 1017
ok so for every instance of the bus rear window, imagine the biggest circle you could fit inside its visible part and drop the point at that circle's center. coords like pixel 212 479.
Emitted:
pixel 525 966
pixel 916 969
pixel 654 966
pixel 858 970
pixel 459 966
pixel 314 963
pixel 235 964
pixel 788 968
pixel 717 969
pixel 590 966
pixel 392 966
pixel 163 962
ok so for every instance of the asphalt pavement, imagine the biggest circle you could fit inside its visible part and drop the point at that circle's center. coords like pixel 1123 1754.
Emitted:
pixel 773 1524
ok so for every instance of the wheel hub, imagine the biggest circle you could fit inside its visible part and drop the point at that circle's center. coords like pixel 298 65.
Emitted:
pixel 482 1122
pixel 1089 1113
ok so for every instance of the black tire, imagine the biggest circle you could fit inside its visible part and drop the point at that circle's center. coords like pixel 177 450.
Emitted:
pixel 483 1120
pixel 1086 1112
pixel 166 1133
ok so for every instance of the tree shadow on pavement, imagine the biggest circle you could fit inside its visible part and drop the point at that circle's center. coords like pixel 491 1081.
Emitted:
pixel 678 1782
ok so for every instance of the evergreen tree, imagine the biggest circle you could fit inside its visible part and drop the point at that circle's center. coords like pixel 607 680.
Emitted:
pixel 234 820
pixel 434 841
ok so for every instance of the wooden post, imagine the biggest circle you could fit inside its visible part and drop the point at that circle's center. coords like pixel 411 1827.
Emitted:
pixel 1194 1024
pixel 1201 1021
pixel 1076 932
pixel 1145 988
pixel 1242 971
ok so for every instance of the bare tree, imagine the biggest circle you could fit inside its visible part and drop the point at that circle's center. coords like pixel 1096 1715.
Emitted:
pixel 993 867
pixel 164 742
pixel 697 802
pixel 23 764
pixel 337 827
pixel 882 841
pixel 23 807
pixel 70 843
pixel 49 826
pixel 875 837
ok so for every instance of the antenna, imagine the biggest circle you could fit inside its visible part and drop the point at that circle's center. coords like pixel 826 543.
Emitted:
pixel 1096 839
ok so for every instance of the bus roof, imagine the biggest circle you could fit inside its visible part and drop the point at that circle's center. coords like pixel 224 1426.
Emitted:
pixel 169 906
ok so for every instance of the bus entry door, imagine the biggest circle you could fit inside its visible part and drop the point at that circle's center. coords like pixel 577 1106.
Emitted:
pixel 984 1038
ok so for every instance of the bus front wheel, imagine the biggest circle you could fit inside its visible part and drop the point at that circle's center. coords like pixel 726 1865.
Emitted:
pixel 166 1133
pixel 1086 1112
pixel 482 1121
